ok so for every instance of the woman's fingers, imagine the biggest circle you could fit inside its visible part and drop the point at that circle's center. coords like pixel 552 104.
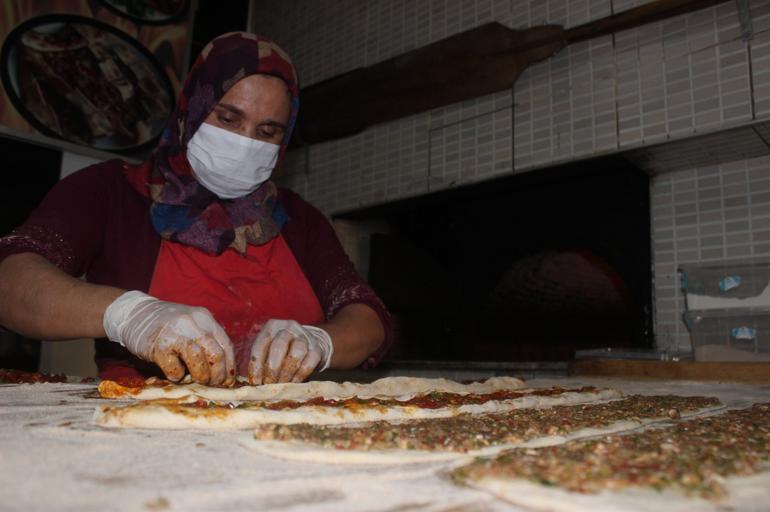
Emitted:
pixel 215 357
pixel 293 360
pixel 279 347
pixel 284 351
pixel 218 348
pixel 194 356
pixel 257 358
pixel 173 336
pixel 166 358
pixel 197 342
pixel 307 366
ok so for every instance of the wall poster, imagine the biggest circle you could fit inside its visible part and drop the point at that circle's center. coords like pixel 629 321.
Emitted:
pixel 102 74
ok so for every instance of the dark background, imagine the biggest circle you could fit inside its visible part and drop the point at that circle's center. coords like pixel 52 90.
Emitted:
pixel 482 273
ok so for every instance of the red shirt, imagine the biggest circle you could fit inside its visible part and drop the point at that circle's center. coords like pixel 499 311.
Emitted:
pixel 93 224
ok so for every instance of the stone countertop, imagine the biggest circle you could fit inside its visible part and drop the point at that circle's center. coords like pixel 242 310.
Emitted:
pixel 53 458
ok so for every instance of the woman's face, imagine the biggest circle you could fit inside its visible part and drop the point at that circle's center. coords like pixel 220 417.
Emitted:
pixel 257 107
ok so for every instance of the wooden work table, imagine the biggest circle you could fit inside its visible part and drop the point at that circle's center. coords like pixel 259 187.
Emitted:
pixel 672 370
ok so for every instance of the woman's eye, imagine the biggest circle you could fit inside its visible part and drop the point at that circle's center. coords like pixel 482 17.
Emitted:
pixel 226 120
pixel 271 133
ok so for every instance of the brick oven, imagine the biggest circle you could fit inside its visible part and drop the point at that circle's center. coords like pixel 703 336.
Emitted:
pixel 530 267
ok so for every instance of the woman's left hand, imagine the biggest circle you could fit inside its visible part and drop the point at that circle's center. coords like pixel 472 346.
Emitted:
pixel 285 351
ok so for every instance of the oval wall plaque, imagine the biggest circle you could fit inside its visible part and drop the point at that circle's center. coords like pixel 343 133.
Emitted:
pixel 80 80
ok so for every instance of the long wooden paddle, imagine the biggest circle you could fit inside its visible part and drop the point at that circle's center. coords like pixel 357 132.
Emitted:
pixel 481 61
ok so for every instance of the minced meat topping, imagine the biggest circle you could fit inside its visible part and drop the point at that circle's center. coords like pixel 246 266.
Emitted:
pixel 693 456
pixel 466 432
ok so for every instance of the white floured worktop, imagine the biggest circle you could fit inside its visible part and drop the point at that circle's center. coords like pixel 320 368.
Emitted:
pixel 52 458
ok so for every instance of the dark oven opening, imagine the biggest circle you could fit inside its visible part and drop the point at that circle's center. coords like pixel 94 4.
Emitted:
pixel 530 267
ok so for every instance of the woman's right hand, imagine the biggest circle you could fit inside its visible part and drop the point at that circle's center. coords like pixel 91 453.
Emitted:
pixel 173 336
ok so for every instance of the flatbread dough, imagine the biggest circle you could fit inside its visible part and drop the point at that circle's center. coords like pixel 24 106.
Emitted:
pixel 385 387
pixel 172 416
pixel 305 452
pixel 310 452
pixel 699 454
pixel 745 493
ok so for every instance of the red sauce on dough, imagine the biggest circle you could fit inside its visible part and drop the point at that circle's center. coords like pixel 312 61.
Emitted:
pixel 432 400
pixel 20 377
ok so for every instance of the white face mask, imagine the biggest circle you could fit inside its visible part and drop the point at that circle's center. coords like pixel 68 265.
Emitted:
pixel 228 164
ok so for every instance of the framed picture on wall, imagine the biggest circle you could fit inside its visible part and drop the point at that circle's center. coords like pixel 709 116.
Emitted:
pixel 149 12
pixel 98 77
pixel 83 81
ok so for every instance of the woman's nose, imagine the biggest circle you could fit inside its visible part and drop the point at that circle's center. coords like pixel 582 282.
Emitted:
pixel 250 132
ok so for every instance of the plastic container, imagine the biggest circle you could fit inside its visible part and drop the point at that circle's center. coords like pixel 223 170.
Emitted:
pixel 726 285
pixel 740 334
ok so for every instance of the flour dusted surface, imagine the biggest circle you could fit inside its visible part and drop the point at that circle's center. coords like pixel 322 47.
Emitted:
pixel 52 458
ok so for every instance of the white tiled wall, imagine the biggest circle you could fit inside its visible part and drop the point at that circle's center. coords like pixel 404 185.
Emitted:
pixel 446 147
pixel 682 77
pixel 760 60
pixel 700 215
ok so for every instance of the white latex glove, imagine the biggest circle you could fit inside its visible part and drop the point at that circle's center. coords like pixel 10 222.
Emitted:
pixel 285 351
pixel 172 336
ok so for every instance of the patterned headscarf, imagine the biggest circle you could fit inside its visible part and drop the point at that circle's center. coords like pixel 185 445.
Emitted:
pixel 182 209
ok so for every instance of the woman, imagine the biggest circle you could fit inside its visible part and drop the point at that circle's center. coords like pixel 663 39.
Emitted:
pixel 194 261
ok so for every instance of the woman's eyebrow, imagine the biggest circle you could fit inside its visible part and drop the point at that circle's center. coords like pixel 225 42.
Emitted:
pixel 275 124
pixel 231 108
